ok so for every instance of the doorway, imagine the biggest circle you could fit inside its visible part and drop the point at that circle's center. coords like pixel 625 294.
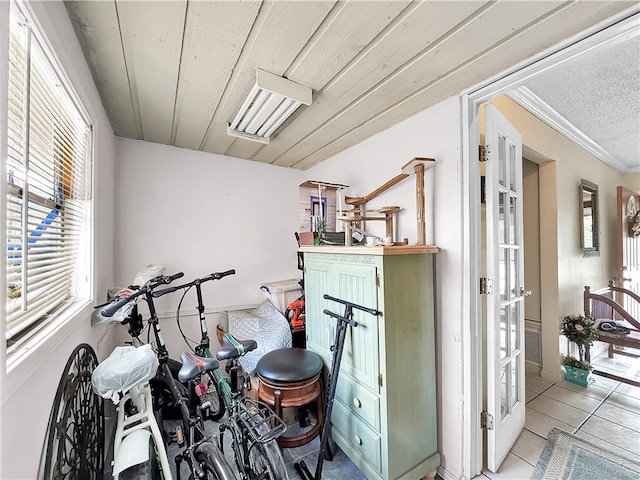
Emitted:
pixel 472 307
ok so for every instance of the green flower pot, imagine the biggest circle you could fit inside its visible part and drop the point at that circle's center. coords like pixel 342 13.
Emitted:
pixel 577 375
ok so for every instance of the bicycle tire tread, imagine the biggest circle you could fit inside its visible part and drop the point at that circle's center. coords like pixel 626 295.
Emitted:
pixel 213 462
pixel 271 456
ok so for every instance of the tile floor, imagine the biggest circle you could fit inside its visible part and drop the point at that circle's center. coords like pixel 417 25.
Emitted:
pixel 340 468
pixel 607 413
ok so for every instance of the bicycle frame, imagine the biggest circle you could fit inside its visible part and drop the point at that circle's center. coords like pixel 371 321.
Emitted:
pixel 129 437
pixel 189 420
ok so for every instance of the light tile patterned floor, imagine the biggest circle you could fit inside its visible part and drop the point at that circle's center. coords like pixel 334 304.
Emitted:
pixel 606 413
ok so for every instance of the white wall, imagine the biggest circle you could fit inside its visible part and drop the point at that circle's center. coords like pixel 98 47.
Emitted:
pixel 28 388
pixel 200 213
pixel 632 182
pixel 434 133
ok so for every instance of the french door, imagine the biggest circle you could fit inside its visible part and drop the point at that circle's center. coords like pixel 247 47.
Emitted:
pixel 505 408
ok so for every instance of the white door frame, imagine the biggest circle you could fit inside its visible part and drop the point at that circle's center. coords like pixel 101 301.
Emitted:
pixel 471 318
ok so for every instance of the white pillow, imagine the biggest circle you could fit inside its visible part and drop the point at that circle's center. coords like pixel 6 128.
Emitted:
pixel 264 324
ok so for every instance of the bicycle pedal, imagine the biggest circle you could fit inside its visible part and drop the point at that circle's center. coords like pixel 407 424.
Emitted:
pixel 206 401
pixel 179 437
pixel 205 409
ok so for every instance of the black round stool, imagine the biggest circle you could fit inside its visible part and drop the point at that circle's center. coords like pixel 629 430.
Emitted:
pixel 290 377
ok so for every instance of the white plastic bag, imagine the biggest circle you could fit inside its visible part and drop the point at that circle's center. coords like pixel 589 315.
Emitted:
pixel 147 273
pixel 124 368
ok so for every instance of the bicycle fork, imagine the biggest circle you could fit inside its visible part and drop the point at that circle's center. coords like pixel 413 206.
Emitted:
pixel 133 431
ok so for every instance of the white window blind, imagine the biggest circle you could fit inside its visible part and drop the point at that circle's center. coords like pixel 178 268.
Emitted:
pixel 48 186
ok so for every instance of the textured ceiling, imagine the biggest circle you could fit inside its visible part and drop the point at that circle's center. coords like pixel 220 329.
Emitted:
pixel 599 94
pixel 175 72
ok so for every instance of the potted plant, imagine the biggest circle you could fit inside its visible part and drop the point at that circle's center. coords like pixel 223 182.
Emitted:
pixel 579 330
pixel 318 225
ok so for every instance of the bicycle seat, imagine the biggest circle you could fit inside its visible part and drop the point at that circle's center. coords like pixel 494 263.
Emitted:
pixel 233 348
pixel 192 365
pixel 125 368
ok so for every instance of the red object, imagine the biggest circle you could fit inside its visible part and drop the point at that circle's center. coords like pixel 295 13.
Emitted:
pixel 201 389
pixel 293 313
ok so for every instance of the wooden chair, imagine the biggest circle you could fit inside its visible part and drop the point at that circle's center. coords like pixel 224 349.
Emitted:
pixel 606 304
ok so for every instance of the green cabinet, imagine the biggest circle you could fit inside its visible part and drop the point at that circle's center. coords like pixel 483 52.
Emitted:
pixel 384 414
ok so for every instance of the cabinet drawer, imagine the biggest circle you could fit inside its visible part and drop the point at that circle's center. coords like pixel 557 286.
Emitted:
pixel 357 434
pixel 360 401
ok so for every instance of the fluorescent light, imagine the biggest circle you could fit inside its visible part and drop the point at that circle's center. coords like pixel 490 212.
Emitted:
pixel 271 101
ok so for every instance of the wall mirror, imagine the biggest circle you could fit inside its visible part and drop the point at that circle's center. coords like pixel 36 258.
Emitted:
pixel 589 219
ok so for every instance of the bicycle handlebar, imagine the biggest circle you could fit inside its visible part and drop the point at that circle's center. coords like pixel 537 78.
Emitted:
pixel 147 287
pixel 197 281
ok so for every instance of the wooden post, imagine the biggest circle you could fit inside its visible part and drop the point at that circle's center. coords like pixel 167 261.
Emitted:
pixel 419 171
pixel 348 235
pixel 418 165
pixel 388 218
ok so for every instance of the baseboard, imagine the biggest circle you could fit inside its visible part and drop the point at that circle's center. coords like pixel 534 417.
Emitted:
pixel 532 370
pixel 444 474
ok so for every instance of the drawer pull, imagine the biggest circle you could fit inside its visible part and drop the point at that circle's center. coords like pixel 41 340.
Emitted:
pixel 357 439
pixel 357 402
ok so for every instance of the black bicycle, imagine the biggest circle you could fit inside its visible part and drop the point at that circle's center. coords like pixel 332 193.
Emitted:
pixel 202 452
pixel 253 425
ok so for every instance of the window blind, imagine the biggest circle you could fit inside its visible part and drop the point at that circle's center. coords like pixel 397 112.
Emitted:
pixel 48 185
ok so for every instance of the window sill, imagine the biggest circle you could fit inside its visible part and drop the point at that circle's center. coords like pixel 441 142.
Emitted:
pixel 28 357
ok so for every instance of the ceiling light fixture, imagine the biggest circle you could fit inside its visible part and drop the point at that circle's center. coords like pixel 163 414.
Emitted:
pixel 271 101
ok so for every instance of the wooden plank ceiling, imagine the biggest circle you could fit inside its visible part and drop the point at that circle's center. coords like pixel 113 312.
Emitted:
pixel 176 72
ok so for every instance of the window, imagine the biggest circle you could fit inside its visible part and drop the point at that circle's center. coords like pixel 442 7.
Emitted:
pixel 48 186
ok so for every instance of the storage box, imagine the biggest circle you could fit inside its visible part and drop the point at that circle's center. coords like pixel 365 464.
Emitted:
pixel 282 293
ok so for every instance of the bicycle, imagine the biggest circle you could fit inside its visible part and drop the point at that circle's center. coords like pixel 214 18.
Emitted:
pixel 254 427
pixel 142 405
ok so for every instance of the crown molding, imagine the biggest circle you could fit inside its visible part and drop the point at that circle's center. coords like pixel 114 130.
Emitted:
pixel 537 107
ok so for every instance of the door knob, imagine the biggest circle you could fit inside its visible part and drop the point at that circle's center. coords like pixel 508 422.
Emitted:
pixel 523 292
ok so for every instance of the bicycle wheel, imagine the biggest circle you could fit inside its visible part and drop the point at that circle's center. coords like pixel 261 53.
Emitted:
pixel 213 463
pixel 213 406
pixel 265 460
